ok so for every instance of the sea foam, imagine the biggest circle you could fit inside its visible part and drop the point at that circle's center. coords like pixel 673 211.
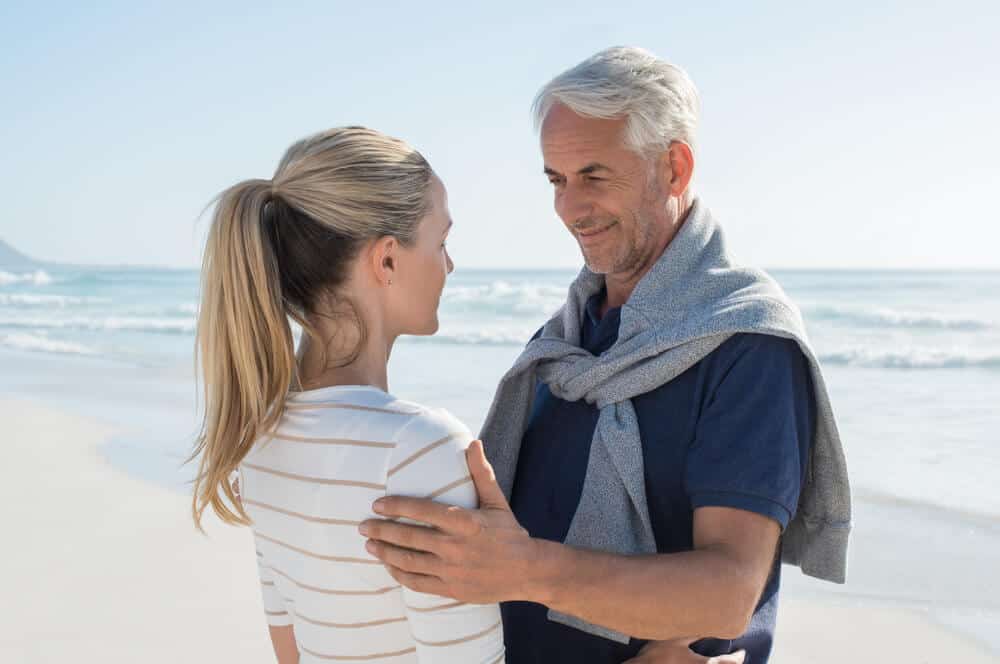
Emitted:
pixel 910 359
pixel 57 301
pixel 875 317
pixel 37 278
pixel 40 343
pixel 108 323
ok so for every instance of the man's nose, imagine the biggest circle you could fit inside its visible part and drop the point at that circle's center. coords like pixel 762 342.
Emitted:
pixel 572 204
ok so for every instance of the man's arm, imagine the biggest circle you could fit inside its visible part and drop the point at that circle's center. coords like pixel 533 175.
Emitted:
pixel 711 590
pixel 485 556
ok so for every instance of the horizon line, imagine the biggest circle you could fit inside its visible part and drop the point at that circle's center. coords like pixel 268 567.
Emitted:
pixel 497 268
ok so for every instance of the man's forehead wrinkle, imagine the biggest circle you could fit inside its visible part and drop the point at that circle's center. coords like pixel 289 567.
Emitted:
pixel 575 142
pixel 569 162
pixel 571 143
pixel 570 154
pixel 562 125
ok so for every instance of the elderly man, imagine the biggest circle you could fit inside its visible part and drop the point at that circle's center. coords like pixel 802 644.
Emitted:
pixel 664 440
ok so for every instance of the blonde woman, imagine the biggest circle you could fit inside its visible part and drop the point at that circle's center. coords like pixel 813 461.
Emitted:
pixel 348 241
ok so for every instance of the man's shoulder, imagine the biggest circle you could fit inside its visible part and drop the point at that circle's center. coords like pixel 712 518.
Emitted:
pixel 760 375
pixel 750 358
pixel 756 345
pixel 755 360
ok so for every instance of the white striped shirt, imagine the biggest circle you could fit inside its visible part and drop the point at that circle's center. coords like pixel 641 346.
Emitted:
pixel 307 488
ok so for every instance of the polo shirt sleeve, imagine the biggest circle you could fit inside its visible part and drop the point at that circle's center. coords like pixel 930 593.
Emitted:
pixel 754 433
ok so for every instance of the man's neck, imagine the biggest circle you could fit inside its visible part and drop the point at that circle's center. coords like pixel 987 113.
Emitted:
pixel 618 290
pixel 620 286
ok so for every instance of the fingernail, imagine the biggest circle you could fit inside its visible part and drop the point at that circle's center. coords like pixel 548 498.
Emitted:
pixel 377 506
pixel 370 547
pixel 364 529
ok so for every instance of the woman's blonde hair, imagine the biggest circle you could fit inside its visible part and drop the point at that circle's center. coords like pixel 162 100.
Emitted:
pixel 275 249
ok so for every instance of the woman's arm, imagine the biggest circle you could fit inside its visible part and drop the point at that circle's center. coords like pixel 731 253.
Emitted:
pixel 283 640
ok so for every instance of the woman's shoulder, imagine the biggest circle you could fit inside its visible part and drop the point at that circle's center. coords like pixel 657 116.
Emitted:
pixel 428 424
pixel 428 460
pixel 407 423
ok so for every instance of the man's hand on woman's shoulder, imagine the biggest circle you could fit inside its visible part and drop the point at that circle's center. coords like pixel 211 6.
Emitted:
pixel 478 556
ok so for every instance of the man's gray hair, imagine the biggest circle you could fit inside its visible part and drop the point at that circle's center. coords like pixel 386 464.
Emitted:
pixel 658 100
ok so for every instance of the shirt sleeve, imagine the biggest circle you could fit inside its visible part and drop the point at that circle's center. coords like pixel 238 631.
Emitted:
pixel 275 607
pixel 429 462
pixel 755 430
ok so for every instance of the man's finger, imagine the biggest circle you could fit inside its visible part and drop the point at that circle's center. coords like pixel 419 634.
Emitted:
pixel 419 582
pixel 414 562
pixel 448 518
pixel 490 494
pixel 419 538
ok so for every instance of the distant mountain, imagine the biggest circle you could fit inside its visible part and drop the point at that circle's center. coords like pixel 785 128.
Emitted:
pixel 11 258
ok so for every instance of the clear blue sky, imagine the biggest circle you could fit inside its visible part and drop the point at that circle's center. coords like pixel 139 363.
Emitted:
pixel 840 135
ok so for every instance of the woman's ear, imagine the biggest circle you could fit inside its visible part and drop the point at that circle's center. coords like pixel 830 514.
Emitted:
pixel 384 257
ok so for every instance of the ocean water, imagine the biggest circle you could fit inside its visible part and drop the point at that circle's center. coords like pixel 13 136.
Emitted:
pixel 912 360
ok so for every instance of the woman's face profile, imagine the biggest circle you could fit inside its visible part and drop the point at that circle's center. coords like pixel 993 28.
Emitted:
pixel 423 268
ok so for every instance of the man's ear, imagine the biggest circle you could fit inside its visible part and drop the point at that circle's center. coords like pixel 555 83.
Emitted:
pixel 679 166
pixel 383 257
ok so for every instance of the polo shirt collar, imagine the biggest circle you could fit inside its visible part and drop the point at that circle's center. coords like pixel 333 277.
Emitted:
pixel 599 333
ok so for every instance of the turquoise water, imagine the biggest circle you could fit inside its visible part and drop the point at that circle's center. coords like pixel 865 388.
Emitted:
pixel 891 320
pixel 912 360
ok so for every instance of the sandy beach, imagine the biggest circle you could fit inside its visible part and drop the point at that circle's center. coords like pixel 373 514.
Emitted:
pixel 810 631
pixel 104 567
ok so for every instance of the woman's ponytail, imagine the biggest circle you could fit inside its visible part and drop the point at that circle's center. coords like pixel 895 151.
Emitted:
pixel 244 344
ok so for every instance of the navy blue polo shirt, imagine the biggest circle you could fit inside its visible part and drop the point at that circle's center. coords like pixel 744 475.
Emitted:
pixel 734 430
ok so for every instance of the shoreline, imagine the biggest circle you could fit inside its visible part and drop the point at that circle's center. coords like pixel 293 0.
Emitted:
pixel 108 551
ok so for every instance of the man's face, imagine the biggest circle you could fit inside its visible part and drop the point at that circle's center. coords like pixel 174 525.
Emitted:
pixel 609 197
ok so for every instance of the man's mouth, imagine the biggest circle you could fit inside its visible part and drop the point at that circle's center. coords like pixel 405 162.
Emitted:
pixel 590 234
